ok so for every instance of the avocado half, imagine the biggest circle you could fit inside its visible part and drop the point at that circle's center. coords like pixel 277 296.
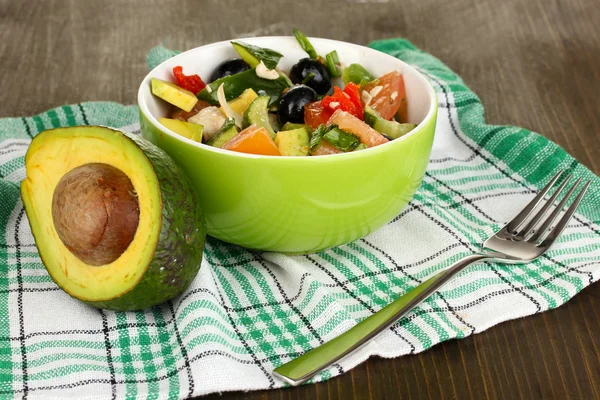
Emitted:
pixel 116 222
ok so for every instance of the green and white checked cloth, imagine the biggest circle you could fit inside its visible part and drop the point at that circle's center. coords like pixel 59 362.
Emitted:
pixel 247 312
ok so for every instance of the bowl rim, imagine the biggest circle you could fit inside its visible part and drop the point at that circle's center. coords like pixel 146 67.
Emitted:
pixel 431 113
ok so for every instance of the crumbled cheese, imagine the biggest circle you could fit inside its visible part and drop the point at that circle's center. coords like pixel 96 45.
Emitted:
pixel 375 91
pixel 263 72
pixel 393 95
pixel 334 104
pixel 211 118
pixel 208 89
pixel 366 98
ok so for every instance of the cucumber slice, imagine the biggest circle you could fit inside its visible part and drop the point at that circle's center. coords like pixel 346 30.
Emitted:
pixel 220 140
pixel 258 114
pixel 391 129
pixel 227 132
pixel 293 142
pixel 253 55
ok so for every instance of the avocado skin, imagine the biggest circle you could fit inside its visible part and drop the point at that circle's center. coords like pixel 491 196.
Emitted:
pixel 178 253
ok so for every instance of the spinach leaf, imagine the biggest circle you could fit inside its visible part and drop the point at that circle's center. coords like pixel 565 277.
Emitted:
pixel 342 140
pixel 253 55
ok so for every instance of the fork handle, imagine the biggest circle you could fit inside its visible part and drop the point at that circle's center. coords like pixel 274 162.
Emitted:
pixel 310 363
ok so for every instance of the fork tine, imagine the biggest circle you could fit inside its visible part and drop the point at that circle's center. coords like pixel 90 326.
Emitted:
pixel 552 217
pixel 549 203
pixel 554 233
pixel 564 221
pixel 522 216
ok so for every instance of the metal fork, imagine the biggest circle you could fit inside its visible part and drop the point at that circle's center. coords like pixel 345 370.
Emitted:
pixel 523 239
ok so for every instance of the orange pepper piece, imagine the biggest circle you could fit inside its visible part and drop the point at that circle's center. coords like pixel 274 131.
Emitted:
pixel 253 140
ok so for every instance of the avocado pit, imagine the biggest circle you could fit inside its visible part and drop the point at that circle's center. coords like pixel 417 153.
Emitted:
pixel 95 212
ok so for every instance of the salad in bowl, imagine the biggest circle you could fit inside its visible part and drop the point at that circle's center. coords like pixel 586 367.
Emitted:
pixel 318 107
pixel 290 148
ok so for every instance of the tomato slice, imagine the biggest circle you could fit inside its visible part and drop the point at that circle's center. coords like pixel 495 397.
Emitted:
pixel 349 123
pixel 315 114
pixel 387 94
pixel 325 148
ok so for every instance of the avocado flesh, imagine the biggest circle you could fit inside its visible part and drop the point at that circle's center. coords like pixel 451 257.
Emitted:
pixel 174 94
pixel 294 142
pixel 165 254
pixel 186 129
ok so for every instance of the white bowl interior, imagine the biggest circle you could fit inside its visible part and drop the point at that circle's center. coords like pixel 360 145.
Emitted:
pixel 203 60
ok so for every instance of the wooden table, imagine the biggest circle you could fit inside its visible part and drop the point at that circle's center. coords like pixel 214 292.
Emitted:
pixel 534 64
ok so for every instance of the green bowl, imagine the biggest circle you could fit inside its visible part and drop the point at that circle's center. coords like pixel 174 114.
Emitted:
pixel 298 204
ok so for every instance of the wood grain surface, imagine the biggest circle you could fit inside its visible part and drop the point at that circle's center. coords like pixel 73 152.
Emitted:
pixel 534 64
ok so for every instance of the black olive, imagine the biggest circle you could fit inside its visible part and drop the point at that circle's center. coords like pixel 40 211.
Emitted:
pixel 321 80
pixel 229 67
pixel 291 106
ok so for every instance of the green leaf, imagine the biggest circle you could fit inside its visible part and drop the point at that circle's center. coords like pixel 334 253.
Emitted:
pixel 317 136
pixel 253 55
pixel 305 43
pixel 234 86
pixel 342 140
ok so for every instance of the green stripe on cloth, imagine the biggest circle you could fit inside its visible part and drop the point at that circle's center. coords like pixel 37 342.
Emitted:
pixel 249 312
pixel 10 195
pixel 70 115
pixel 125 359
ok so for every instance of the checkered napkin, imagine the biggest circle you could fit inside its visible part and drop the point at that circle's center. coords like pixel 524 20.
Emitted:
pixel 248 312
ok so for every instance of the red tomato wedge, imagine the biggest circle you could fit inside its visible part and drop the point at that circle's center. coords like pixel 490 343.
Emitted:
pixel 253 140
pixel 315 114
pixel 325 148
pixel 387 93
pixel 349 123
